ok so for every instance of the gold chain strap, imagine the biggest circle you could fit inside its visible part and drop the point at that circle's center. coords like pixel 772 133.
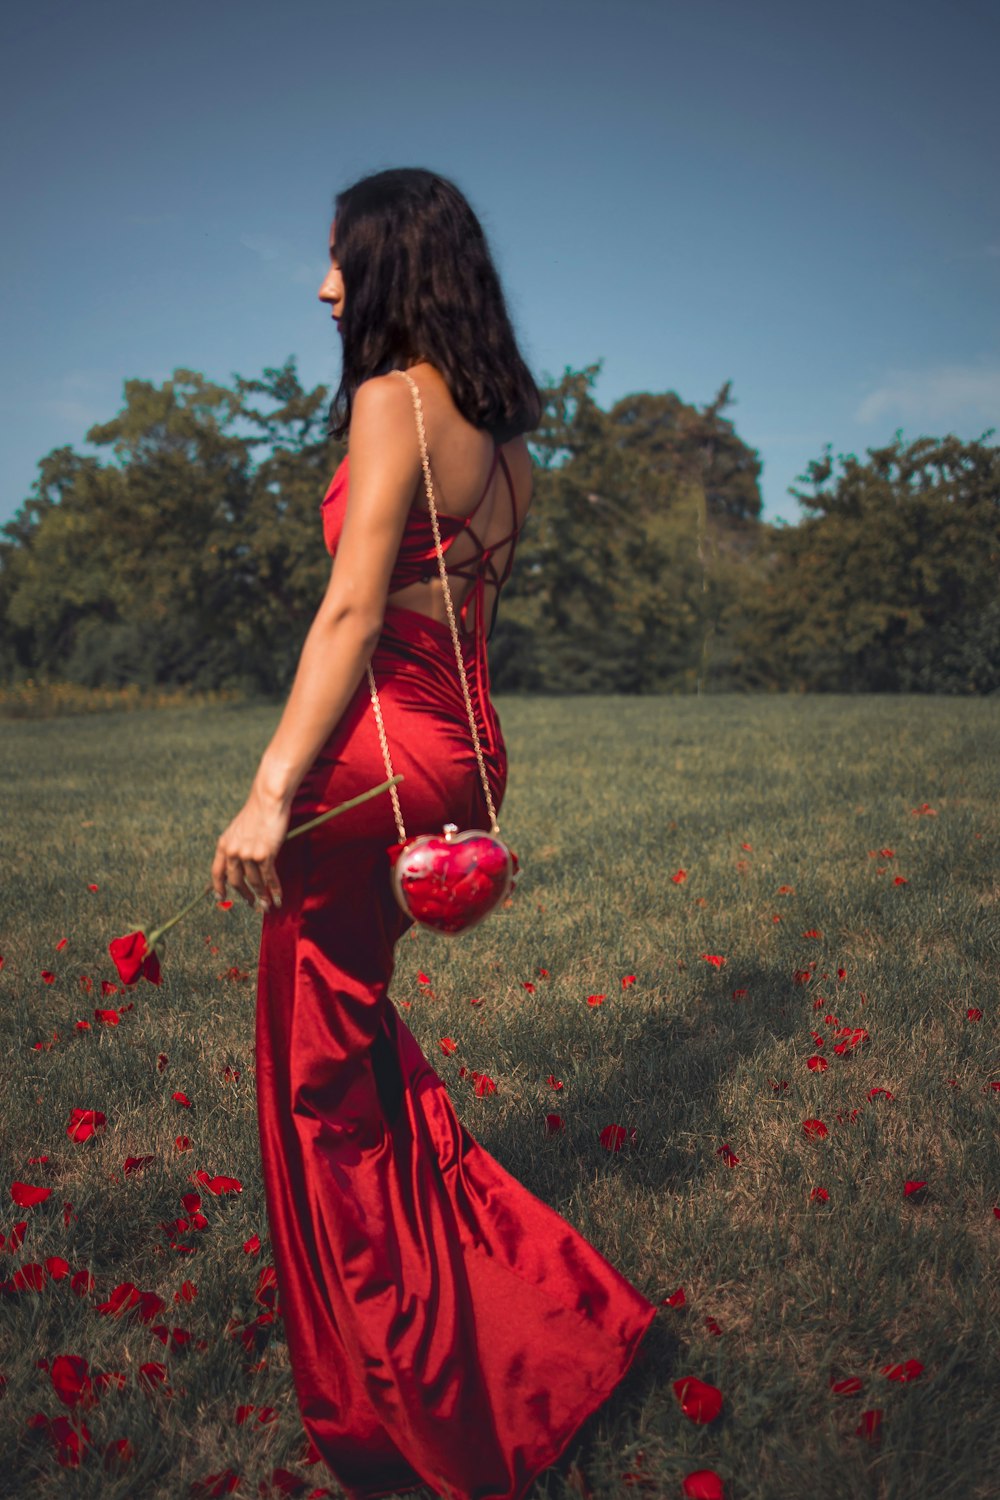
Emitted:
pixel 443 571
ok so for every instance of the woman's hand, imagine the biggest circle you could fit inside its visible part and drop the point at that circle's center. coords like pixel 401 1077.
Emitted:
pixel 246 851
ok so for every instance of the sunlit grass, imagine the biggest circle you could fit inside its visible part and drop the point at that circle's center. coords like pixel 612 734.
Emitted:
pixel 607 801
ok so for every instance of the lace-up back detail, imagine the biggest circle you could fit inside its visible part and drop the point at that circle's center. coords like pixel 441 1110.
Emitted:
pixel 416 561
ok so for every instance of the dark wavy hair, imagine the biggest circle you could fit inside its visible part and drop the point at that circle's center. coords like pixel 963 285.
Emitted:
pixel 420 283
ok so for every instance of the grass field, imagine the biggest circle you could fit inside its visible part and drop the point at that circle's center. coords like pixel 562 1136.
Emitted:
pixel 841 859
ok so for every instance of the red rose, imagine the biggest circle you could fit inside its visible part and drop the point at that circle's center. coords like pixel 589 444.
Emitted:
pixel 133 960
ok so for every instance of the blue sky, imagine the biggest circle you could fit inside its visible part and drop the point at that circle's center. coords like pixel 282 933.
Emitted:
pixel 801 199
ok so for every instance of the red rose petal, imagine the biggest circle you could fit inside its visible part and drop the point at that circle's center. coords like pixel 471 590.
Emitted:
pixel 152 1376
pixel 136 1163
pixel 870 1425
pixel 30 1278
pixel 26 1196
pixel 84 1123
pixel 219 1185
pixel 703 1484
pixel 910 1369
pixel 699 1401
pixel 69 1375
pixel 122 1297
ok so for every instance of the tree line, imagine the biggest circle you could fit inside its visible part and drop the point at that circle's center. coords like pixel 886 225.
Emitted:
pixel 190 552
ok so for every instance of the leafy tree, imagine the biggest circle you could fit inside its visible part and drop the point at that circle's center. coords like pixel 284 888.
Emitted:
pixel 285 566
pixel 191 551
pixel 890 582
pixel 556 631
pixel 609 592
pixel 698 446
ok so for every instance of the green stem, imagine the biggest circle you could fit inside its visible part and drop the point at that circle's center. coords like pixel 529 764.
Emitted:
pixel 343 807
pixel 155 937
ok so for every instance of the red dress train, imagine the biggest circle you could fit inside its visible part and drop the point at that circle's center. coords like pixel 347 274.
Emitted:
pixel 445 1327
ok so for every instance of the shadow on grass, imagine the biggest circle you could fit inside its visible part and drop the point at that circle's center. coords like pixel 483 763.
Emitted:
pixel 670 1081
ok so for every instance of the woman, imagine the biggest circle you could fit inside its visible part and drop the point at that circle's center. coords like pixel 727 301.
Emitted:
pixel 444 1326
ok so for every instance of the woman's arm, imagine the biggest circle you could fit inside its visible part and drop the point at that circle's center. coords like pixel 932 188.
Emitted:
pixel 385 467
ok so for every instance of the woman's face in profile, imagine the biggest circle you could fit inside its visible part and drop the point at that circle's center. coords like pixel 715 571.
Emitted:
pixel 332 286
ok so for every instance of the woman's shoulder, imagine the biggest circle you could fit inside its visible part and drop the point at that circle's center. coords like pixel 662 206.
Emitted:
pixel 380 398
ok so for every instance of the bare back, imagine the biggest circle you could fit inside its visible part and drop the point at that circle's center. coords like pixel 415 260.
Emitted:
pixel 460 458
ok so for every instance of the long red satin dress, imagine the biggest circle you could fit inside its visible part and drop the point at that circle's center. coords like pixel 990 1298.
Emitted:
pixel 445 1327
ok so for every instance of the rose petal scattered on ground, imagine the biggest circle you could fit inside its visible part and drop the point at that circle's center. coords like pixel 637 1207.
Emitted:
pixel 699 1401
pixel 703 1484
pixel 84 1123
pixel 26 1196
pixel 870 1425
pixel 219 1185
pixel 909 1370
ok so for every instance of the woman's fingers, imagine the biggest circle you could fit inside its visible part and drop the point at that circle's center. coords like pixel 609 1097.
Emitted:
pixel 219 873
pixel 236 875
pixel 255 880
pixel 271 882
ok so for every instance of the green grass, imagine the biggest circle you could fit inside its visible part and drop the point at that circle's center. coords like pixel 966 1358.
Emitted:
pixel 607 800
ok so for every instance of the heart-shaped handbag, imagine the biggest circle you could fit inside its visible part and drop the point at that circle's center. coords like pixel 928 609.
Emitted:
pixel 450 880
